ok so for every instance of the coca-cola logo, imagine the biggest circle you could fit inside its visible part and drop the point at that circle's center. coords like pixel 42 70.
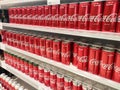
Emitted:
pixel 56 52
pixel 94 62
pixel 110 18
pixel 63 17
pixel 117 69
pixel 65 54
pixel 82 59
pixel 83 18
pixel 67 87
pixel 72 18
pixel 42 48
pixel 53 81
pixel 60 84
pixel 107 66
pixel 55 17
pixel 97 18
pixel 48 17
pixel 41 17
pixel 46 78
pixel 49 50
pixel 41 75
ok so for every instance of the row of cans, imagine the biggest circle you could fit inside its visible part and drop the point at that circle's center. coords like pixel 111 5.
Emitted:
pixel 95 59
pixel 41 73
pixel 10 84
pixel 96 15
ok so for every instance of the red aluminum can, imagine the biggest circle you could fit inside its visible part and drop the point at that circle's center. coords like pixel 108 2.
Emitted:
pixel 77 85
pixel 17 15
pixel 46 77
pixel 60 82
pixel 22 65
pixel 118 23
pixel 67 83
pixel 31 44
pixel 14 14
pixel 57 50
pixel 53 80
pixel 83 15
pixel 20 15
pixel 116 72
pixel 18 63
pixel 30 68
pixel 63 15
pixel 66 52
pixel 24 15
pixel 34 14
pixel 41 15
pixel 47 18
pixel 110 15
pixel 26 42
pixel 49 48
pixel 55 15
pixel 72 15
pixel 41 74
pixel 17 40
pixel 37 45
pixel 83 51
pixel 96 11
pixel 75 54
pixel 107 60
pixel 28 17
pixel 43 46
pixel 21 41
pixel 26 65
pixel 9 36
pixel 35 71
pixel 94 59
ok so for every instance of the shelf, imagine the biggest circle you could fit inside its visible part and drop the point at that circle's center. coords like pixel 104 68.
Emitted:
pixel 70 68
pixel 73 32
pixel 15 3
pixel 24 77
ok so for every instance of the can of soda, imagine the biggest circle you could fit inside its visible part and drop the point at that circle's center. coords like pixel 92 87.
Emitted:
pixel 67 83
pixel 41 74
pixel 35 71
pixel 60 82
pixel 31 44
pixel 83 51
pixel 30 68
pixel 26 41
pixel 77 85
pixel 26 65
pixel 47 77
pixel 33 16
pixel 66 52
pixel 107 60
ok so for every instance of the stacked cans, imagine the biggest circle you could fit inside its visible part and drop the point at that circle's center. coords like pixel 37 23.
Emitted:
pixel 96 15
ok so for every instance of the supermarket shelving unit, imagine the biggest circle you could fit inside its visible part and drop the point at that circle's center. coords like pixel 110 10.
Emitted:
pixel 82 33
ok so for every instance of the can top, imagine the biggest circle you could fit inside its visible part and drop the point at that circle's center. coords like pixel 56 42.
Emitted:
pixel 66 41
pixel 108 49
pixel 95 46
pixel 35 64
pixel 57 40
pixel 30 62
pixel 83 44
pixel 118 50
pixel 68 79
pixel 52 72
pixel 60 75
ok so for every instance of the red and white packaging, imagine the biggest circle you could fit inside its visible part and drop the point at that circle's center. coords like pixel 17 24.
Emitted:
pixel 94 59
pixel 35 71
pixel 96 11
pixel 34 15
pixel 72 15
pixel 26 65
pixel 43 46
pixel 41 15
pixel 31 44
pixel 110 15
pixel 63 15
pixel 29 15
pixel 41 74
pixel 77 85
pixel 53 80
pixel 75 54
pixel 47 77
pixel 49 48
pixel 48 13
pixel 55 15
pixel 26 42
pixel 83 51
pixel 66 52
pixel 83 15
pixel 24 15
pixel 60 82
pixel 116 72
pixel 10 11
pixel 67 83
pixel 107 61
pixel 30 68
pixel 14 14
pixel 57 50
pixel 19 15
pixel 118 23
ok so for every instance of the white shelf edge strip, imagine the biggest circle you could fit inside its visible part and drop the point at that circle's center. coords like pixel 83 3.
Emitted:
pixel 74 32
pixel 24 77
pixel 70 68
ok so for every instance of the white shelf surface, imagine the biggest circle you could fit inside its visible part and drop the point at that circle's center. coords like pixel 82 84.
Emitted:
pixel 24 77
pixel 70 68
pixel 66 31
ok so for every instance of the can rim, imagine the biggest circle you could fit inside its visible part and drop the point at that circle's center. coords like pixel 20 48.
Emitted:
pixel 108 49
pixel 83 44
pixel 96 46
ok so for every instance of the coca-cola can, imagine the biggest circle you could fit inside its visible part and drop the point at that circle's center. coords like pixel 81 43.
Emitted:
pixel 77 85
pixel 55 15
pixel 67 83
pixel 29 15
pixel 14 14
pixel 17 39
pixel 43 46
pixel 66 52
pixel 110 15
pixel 60 82
pixel 35 71
pixel 107 60
pixel 20 15
pixel 83 51
pixel 24 15
pixel 22 41
pixel 63 15
pixel 49 48
pixel 30 68
pixel 26 65
pixel 96 12
pixel 41 15
pixel 94 59
pixel 47 18
pixel 34 15
pixel 26 42
pixel 72 15
pixel 41 74
pixel 57 50
pixel 83 15
pixel 22 65
pixel 47 77
pixel 116 72
pixel 75 54
pixel 31 44
pixel 53 80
